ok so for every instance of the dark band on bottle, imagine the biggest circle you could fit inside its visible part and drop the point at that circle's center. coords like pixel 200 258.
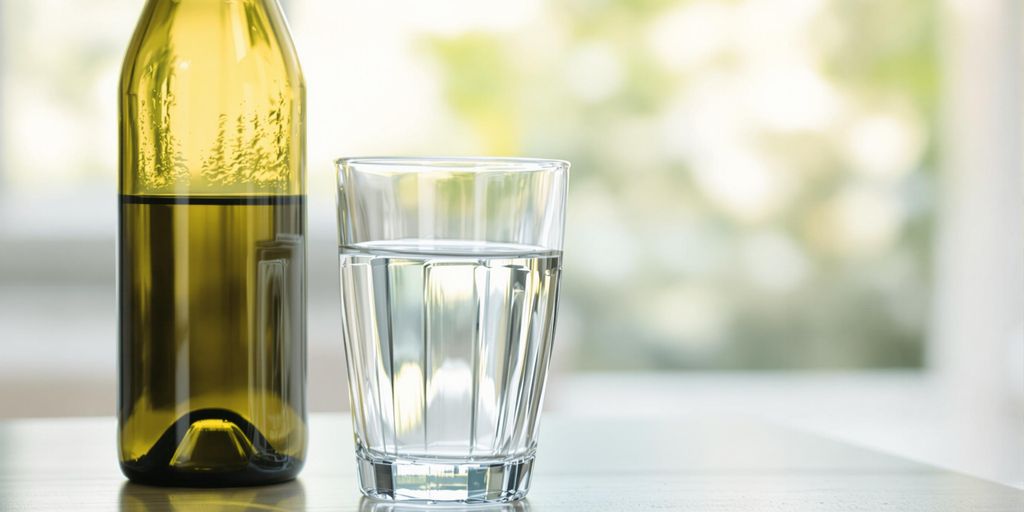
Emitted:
pixel 215 200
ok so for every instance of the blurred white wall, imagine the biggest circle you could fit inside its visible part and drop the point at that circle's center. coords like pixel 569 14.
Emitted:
pixel 977 338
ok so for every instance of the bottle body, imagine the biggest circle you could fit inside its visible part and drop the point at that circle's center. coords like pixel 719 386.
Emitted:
pixel 212 247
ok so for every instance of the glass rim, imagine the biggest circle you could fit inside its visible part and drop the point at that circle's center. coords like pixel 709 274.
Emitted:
pixel 468 164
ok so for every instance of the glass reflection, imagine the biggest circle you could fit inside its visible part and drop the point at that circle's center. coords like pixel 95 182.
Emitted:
pixel 369 505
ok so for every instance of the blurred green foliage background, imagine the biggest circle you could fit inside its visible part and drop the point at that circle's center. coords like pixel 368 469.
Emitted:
pixel 752 180
pixel 752 186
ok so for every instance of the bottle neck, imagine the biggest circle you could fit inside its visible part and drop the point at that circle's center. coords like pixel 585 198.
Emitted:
pixel 244 10
pixel 262 4
pixel 208 2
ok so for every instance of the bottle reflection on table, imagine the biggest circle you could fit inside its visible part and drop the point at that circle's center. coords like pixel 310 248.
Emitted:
pixel 286 497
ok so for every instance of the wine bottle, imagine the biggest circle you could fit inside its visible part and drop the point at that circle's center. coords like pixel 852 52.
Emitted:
pixel 211 249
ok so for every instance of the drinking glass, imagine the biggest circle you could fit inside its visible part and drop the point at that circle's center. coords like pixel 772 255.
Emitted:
pixel 449 286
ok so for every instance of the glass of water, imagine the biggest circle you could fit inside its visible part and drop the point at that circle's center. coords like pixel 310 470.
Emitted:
pixel 449 286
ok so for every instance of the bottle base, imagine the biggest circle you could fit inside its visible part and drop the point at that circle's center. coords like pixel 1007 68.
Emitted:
pixel 211 448
pixel 419 481
pixel 172 478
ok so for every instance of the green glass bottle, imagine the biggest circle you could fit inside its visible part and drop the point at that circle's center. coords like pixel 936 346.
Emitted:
pixel 212 281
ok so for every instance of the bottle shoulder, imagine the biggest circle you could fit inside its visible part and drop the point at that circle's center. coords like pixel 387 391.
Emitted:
pixel 233 43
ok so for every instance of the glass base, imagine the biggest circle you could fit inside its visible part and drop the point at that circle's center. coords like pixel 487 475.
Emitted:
pixel 427 481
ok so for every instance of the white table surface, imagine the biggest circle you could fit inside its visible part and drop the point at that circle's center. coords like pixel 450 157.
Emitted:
pixel 719 463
